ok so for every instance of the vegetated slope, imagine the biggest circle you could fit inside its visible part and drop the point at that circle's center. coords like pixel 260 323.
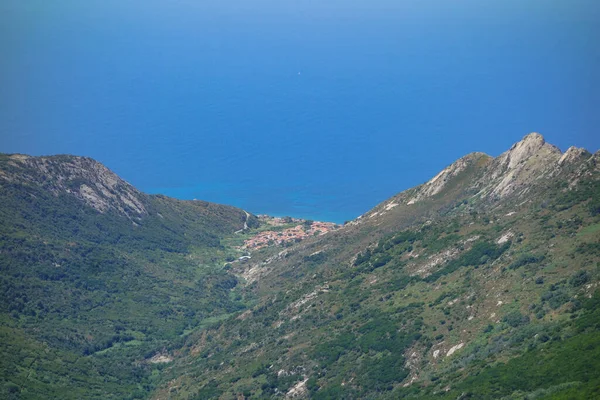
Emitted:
pixel 97 277
pixel 481 283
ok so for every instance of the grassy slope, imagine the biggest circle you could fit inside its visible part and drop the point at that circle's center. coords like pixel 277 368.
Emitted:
pixel 361 324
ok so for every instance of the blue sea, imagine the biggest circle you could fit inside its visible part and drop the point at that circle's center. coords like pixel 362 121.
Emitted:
pixel 314 109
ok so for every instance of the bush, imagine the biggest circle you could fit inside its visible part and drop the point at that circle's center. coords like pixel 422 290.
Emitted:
pixel 381 260
pixel 363 257
pixel 10 387
pixel 481 252
pixel 515 319
pixel 379 373
pixel 525 259
pixel 555 298
pixel 539 280
pixel 579 279
pixel 594 207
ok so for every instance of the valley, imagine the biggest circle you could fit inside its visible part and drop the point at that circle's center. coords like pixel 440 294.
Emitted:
pixel 481 283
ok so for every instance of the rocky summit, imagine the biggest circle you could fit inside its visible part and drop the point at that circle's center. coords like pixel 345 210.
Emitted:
pixel 482 283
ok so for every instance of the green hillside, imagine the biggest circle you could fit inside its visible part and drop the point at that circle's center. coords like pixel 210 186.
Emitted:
pixel 478 289
pixel 87 294
pixel 479 284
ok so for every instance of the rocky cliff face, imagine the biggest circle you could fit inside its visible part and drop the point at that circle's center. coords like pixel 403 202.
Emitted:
pixel 515 172
pixel 82 177
pixel 527 169
pixel 521 166
pixel 441 180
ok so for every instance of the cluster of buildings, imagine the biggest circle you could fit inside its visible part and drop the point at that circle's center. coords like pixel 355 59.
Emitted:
pixel 289 235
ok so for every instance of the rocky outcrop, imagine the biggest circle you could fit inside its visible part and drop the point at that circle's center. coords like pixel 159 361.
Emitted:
pixel 454 349
pixel 520 166
pixel 532 146
pixel 513 173
pixel 82 177
pixel 299 390
pixel 573 154
pixel 441 180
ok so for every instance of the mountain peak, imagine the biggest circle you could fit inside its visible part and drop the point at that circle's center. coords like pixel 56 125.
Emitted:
pixel 514 171
pixel 533 136
pixel 531 145
pixel 573 153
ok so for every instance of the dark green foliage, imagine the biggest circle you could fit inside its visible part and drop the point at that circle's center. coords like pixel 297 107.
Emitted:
pixel 317 258
pixel 545 368
pixel 406 236
pixel 437 243
pixel 594 206
pixel 539 280
pixel 363 257
pixel 377 348
pixel 590 319
pixel 382 334
pixel 209 391
pixel 515 319
pixel 588 248
pixel 400 282
pixel 480 253
pixel 387 249
pixel 381 260
pixel 89 295
pixel 586 190
pixel 579 279
pixel 312 385
pixel 379 373
pixel 11 388
pixel 442 297
pixel 331 351
pixel 555 297
pixel 575 359
pixel 525 259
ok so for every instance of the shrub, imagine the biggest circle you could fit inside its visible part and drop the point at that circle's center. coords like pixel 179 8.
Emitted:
pixel 555 298
pixel 515 319
pixel 579 279
pixel 481 252
pixel 539 280
pixel 525 259
pixel 11 388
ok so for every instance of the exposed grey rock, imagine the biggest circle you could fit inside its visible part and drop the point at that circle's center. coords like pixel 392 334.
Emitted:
pixel 82 177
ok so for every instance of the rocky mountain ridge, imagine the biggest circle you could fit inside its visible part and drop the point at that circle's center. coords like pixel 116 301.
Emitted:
pixel 82 177
pixel 528 165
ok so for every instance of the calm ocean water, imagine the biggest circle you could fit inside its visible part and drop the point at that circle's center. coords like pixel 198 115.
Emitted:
pixel 311 109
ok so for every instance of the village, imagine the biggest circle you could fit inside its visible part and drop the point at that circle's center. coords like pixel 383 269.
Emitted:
pixel 295 233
